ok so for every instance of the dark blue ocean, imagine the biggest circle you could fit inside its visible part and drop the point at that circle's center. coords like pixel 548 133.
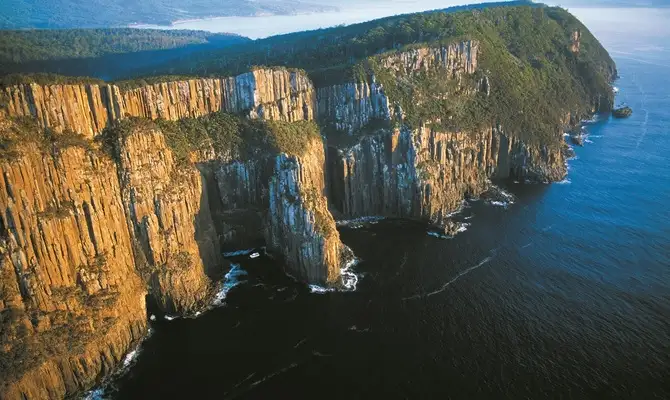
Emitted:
pixel 563 294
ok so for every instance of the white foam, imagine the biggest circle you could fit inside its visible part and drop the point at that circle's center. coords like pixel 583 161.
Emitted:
pixel 348 278
pixel 238 253
pixel 130 357
pixel 232 279
pixel 320 289
pixel 615 89
pixel 359 222
pixel 357 329
pixel 565 181
pixel 152 317
pixel 459 210
pixel 170 317
pixel 128 361
pixel 95 394
pixel 438 235
pixel 499 203
pixel 593 119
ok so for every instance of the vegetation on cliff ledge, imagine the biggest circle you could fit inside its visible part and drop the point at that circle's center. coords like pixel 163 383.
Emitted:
pixel 229 136
pixel 16 133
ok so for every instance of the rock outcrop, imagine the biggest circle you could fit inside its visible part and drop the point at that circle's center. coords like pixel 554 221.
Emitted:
pixel 72 302
pixel 169 211
pixel 301 227
pixel 349 107
pixel 276 94
pixel 425 174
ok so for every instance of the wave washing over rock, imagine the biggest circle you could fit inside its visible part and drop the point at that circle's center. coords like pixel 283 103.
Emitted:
pixel 349 280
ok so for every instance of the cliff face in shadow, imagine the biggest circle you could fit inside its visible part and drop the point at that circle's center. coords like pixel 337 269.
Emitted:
pixel 425 174
pixel 169 212
pixel 300 224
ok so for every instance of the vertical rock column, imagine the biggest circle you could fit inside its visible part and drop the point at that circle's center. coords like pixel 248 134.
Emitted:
pixel 300 225
pixel 169 211
pixel 71 300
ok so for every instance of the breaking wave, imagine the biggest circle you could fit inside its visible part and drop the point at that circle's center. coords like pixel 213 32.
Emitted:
pixel 232 279
pixel 128 361
pixel 359 222
pixel 462 227
pixel 237 253
pixel 349 280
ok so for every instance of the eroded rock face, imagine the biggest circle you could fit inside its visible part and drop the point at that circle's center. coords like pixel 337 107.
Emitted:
pixel 72 302
pixel 351 106
pixel 168 208
pixel 455 59
pixel 300 225
pixel 275 94
pixel 425 174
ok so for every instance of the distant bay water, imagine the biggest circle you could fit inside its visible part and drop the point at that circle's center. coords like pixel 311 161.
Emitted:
pixel 564 293
pixel 269 25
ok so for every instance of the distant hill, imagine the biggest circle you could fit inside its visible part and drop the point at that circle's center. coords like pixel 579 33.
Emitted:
pixel 104 53
pixel 18 14
pixel 325 53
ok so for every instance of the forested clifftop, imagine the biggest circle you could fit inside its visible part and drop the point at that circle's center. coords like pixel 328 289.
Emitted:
pixel 88 108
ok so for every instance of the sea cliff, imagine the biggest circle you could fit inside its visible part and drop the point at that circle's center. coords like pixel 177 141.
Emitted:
pixel 111 193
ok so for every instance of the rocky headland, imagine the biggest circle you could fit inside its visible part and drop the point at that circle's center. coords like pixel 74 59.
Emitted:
pixel 113 193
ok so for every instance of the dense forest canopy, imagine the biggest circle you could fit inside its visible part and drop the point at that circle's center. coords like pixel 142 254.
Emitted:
pixel 102 53
pixel 32 45
pixel 115 13
pixel 328 48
